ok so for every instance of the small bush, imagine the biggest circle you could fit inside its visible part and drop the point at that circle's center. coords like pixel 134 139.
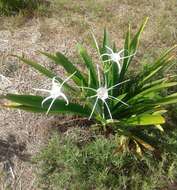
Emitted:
pixel 95 166
pixel 11 7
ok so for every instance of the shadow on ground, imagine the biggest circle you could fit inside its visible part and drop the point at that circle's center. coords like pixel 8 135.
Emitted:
pixel 10 148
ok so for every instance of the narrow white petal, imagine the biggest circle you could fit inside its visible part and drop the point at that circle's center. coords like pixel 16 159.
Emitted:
pixel 107 60
pixel 105 54
pixel 93 108
pixel 53 80
pixel 109 49
pixel 89 78
pixel 50 106
pixel 47 98
pixel 118 84
pixel 64 97
pixel 118 64
pixel 68 78
pixel 127 56
pixel 92 96
pixel 84 87
pixel 119 100
pixel 106 83
pixel 108 109
pixel 121 51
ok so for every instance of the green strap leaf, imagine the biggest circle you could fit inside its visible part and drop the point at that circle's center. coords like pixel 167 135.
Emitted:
pixel 159 81
pixel 153 89
pixel 164 61
pixel 165 55
pixel 135 41
pixel 171 99
pixel 130 47
pixel 44 71
pixel 105 40
pixel 150 75
pixel 144 120
pixel 60 59
pixel 156 68
pixel 33 103
pixel 90 65
pixel 38 67
pixel 126 53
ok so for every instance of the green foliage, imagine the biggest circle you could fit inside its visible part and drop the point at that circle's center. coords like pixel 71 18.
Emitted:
pixel 68 162
pixel 9 7
pixel 138 102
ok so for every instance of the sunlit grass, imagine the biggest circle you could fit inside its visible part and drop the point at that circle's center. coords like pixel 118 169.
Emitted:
pixel 74 162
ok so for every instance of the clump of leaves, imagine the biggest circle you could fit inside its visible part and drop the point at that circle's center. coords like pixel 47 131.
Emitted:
pixel 129 105
pixel 62 164
pixel 11 7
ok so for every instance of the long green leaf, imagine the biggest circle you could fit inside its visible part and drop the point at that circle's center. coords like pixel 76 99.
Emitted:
pixel 152 74
pixel 130 47
pixel 44 71
pixel 34 103
pixel 60 59
pixel 126 52
pixel 164 61
pixel 156 68
pixel 159 81
pixel 171 99
pixel 135 41
pixel 154 89
pixel 38 67
pixel 90 65
pixel 144 120
pixel 105 40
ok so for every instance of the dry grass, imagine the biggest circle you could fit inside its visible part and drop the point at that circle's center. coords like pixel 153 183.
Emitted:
pixel 67 24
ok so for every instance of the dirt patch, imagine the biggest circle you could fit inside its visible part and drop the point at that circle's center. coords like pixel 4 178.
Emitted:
pixel 22 134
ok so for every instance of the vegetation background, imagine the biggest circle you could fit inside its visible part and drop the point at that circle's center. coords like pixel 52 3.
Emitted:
pixel 57 25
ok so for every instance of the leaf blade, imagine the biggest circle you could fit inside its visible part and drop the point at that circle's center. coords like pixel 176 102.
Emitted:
pixel 34 102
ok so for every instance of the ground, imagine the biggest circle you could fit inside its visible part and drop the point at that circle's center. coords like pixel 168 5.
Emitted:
pixel 60 29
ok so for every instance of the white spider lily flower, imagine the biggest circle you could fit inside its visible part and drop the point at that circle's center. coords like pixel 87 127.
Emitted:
pixel 116 56
pixel 102 93
pixel 55 92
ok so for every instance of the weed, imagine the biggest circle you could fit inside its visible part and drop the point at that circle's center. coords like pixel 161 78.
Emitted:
pixel 12 7
pixel 95 165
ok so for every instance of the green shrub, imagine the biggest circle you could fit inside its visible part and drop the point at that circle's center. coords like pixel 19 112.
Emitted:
pixel 118 103
pixel 10 7
pixel 64 164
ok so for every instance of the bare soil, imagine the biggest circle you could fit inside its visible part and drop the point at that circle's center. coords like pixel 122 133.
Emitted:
pixel 22 134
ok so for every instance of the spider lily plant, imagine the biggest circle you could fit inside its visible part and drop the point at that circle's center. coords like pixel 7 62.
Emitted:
pixel 105 93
